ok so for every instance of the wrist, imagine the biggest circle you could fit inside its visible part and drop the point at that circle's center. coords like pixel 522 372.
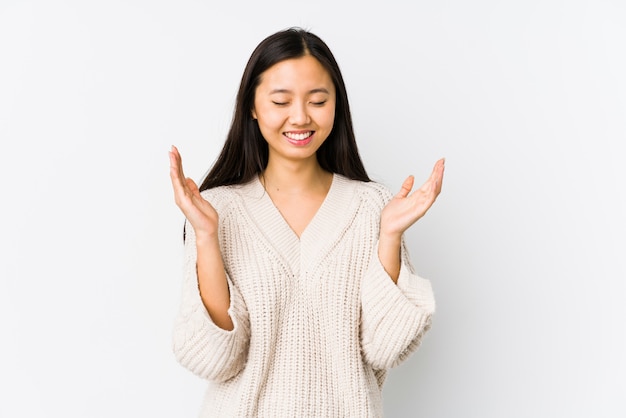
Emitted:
pixel 206 238
pixel 390 237
pixel 389 254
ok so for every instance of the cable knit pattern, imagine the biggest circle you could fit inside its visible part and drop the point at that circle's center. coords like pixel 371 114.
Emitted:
pixel 317 319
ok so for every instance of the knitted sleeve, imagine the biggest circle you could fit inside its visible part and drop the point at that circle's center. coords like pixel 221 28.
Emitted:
pixel 394 317
pixel 198 344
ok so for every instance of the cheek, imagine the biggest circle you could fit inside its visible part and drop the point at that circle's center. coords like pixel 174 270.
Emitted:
pixel 270 126
pixel 270 118
pixel 327 118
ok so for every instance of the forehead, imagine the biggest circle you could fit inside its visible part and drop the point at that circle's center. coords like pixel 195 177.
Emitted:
pixel 304 73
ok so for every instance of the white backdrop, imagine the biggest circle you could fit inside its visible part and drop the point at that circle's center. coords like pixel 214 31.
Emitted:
pixel 525 247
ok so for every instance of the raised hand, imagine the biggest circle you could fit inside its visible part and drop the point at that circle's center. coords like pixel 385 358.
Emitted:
pixel 405 209
pixel 198 211
pixel 212 282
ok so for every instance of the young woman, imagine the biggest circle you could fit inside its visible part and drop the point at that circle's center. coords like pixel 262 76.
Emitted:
pixel 298 293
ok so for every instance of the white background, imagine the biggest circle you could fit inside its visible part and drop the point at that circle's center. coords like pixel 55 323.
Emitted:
pixel 525 247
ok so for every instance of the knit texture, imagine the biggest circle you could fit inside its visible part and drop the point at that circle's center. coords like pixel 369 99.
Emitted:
pixel 318 321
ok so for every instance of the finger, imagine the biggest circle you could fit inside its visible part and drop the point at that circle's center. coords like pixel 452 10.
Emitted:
pixel 433 184
pixel 179 183
pixel 176 167
pixel 407 185
pixel 174 172
pixel 174 160
pixel 179 161
pixel 173 167
pixel 175 153
pixel 437 168
pixel 440 167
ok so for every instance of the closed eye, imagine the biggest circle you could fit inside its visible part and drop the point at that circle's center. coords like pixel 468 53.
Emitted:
pixel 280 103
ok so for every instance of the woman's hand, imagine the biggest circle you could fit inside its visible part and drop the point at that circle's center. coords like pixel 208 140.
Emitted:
pixel 212 282
pixel 198 211
pixel 404 209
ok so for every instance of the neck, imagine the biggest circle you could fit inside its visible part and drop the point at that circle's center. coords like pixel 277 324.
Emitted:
pixel 295 178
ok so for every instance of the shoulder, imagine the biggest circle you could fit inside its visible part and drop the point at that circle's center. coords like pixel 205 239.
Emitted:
pixel 224 198
pixel 372 194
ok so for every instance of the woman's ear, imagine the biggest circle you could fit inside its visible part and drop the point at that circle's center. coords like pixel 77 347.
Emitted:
pixel 253 113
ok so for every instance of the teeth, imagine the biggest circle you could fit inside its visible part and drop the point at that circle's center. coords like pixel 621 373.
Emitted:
pixel 298 137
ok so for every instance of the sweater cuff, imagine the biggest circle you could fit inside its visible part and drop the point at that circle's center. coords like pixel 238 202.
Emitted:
pixel 380 286
pixel 204 348
pixel 394 316
pixel 417 289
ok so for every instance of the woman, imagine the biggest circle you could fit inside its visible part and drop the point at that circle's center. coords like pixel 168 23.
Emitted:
pixel 298 293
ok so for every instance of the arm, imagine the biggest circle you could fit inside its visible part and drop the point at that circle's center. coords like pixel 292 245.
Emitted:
pixel 211 332
pixel 212 283
pixel 204 221
pixel 199 344
pixel 394 316
pixel 396 313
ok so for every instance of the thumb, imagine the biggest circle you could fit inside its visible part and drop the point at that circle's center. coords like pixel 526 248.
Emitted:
pixel 193 187
pixel 407 185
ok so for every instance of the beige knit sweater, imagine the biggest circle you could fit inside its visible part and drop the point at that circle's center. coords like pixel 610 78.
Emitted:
pixel 317 319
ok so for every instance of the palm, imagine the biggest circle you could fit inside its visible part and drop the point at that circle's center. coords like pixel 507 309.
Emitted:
pixel 404 209
pixel 196 209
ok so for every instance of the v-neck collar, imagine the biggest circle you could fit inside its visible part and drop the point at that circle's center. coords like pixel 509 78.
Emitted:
pixel 333 216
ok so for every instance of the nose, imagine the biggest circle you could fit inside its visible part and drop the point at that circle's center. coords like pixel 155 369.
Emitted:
pixel 299 114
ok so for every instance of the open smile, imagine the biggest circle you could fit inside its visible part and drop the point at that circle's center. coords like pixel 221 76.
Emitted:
pixel 299 138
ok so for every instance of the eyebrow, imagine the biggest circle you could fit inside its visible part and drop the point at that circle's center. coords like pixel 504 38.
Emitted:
pixel 317 90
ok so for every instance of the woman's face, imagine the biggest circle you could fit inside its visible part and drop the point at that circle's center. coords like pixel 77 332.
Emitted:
pixel 295 108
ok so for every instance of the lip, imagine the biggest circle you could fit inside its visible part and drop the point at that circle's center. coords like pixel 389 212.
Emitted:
pixel 302 142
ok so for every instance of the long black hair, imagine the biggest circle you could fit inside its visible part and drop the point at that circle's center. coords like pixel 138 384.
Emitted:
pixel 245 152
